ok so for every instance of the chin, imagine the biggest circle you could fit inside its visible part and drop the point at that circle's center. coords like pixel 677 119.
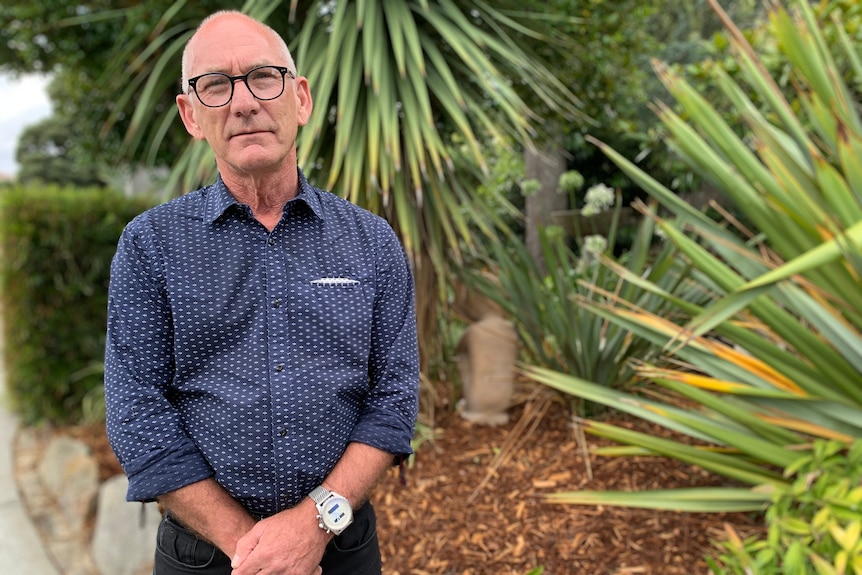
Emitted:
pixel 256 162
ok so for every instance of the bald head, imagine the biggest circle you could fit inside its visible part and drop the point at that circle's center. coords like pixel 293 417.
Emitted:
pixel 226 18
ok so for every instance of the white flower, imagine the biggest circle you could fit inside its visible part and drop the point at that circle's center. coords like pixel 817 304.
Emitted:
pixel 571 181
pixel 600 197
pixel 590 210
pixel 595 244
pixel 530 187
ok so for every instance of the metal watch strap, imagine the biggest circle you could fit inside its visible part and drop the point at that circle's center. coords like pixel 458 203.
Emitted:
pixel 319 494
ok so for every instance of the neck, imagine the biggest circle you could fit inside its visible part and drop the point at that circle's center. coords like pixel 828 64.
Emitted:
pixel 265 194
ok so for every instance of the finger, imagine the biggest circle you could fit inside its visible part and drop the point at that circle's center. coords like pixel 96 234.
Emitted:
pixel 244 546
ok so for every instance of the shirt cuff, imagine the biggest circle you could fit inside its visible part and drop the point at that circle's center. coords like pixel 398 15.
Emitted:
pixel 385 437
pixel 166 470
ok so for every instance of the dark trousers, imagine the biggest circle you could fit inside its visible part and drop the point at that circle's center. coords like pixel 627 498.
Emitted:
pixel 355 552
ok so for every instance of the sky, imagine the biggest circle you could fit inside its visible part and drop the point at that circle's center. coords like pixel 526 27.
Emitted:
pixel 23 101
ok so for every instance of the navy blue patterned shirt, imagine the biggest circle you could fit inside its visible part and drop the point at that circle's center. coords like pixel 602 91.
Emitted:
pixel 255 357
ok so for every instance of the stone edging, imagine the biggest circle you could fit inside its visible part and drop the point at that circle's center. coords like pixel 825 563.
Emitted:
pixel 68 549
pixel 66 516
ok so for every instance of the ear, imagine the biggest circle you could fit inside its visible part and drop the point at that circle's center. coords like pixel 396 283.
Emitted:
pixel 304 104
pixel 187 114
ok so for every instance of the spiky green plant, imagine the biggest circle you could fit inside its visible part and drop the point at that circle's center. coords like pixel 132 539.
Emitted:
pixel 393 84
pixel 555 329
pixel 775 361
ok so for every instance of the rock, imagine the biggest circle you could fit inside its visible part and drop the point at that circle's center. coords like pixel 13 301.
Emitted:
pixel 124 540
pixel 71 476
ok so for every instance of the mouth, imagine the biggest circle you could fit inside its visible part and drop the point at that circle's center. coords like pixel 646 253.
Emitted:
pixel 249 133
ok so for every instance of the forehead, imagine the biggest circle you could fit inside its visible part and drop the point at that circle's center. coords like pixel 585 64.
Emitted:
pixel 232 44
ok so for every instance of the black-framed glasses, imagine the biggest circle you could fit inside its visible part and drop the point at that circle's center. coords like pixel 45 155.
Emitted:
pixel 215 89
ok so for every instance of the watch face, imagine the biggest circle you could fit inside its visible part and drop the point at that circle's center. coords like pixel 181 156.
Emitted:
pixel 336 513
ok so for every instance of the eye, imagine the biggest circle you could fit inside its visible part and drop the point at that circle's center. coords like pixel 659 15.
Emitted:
pixel 261 73
pixel 265 75
pixel 213 82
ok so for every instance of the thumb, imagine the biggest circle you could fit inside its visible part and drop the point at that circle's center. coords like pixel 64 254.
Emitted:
pixel 245 545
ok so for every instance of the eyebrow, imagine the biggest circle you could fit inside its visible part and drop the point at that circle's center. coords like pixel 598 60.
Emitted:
pixel 252 67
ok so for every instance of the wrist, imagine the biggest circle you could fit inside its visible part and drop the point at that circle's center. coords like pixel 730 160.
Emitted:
pixel 238 530
pixel 333 510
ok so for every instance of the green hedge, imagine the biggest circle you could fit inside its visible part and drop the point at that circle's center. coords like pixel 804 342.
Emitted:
pixel 56 246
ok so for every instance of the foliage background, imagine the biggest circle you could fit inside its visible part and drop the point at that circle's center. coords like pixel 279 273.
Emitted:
pixel 57 244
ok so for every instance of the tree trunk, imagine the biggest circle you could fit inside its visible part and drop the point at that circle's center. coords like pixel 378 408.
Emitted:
pixel 428 332
pixel 546 165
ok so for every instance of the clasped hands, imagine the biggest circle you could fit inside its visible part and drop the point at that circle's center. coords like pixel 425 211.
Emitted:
pixel 288 543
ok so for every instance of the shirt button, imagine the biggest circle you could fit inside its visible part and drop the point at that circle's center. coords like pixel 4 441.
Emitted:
pixel 276 303
pixel 271 241
pixel 282 432
pixel 279 367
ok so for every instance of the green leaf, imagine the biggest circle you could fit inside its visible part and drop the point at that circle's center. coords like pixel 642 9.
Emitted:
pixel 698 500
pixel 745 294
pixel 726 465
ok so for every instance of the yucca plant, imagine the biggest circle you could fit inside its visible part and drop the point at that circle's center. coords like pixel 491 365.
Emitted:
pixel 774 363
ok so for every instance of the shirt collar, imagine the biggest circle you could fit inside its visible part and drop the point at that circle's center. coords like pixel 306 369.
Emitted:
pixel 310 195
pixel 219 199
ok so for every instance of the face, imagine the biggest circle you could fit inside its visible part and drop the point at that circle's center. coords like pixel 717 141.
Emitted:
pixel 249 137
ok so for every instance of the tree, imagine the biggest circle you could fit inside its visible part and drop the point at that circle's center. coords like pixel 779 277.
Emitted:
pixel 768 367
pixel 416 89
pixel 605 59
pixel 79 42
pixel 600 54
pixel 44 154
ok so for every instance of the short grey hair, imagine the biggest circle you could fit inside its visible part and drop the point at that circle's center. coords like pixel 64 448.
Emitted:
pixel 279 40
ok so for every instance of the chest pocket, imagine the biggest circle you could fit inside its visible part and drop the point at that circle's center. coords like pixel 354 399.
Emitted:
pixel 332 314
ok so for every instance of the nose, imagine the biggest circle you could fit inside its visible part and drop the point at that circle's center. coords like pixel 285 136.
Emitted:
pixel 243 100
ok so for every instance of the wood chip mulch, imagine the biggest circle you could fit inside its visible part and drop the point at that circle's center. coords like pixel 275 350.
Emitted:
pixel 473 503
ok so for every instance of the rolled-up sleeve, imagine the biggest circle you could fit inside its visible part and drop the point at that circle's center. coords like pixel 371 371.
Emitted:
pixel 389 413
pixel 144 428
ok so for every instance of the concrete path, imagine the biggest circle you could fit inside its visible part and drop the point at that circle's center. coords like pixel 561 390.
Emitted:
pixel 21 549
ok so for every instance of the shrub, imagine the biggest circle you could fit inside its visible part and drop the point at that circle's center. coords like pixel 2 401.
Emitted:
pixel 57 244
pixel 813 527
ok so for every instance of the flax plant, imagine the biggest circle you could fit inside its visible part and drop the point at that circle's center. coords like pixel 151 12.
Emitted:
pixel 774 362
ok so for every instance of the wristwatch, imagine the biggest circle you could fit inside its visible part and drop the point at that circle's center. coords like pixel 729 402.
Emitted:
pixel 334 513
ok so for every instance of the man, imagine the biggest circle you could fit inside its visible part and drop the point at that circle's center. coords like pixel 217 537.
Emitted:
pixel 261 369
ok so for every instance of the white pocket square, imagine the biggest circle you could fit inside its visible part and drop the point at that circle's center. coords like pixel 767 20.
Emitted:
pixel 335 282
